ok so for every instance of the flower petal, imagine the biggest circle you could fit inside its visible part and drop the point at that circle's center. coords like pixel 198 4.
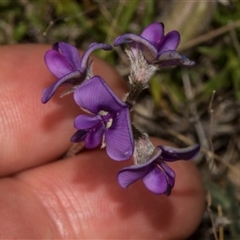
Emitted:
pixel 92 136
pixel 74 78
pixel 129 175
pixel 92 47
pixel 86 121
pixel 169 172
pixel 95 136
pixel 104 98
pixel 148 49
pixel 70 53
pixel 172 58
pixel 119 137
pixel 153 33
pixel 171 154
pixel 79 136
pixel 169 42
pixel 57 64
pixel 156 181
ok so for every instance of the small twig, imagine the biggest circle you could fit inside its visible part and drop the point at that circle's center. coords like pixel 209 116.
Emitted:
pixel 209 203
pixel 227 156
pixel 204 150
pixel 193 110
pixel 210 110
pixel 188 141
pixel 234 39
pixel 220 214
pixel 179 136
pixel 220 159
pixel 208 36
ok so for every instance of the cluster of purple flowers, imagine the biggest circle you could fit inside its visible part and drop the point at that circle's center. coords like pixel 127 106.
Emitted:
pixel 107 120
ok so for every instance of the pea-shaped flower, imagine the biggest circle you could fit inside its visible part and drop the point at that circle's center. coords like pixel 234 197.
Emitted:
pixel 108 121
pixel 156 175
pixel 64 62
pixel 157 48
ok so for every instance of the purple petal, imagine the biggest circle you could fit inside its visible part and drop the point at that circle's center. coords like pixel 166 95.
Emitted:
pixel 74 78
pixel 148 49
pixel 169 172
pixel 169 42
pixel 86 121
pixel 119 137
pixel 95 136
pixel 92 136
pixel 57 64
pixel 153 33
pixel 173 58
pixel 70 53
pixel 104 98
pixel 91 48
pixel 129 175
pixel 79 136
pixel 156 181
pixel 171 154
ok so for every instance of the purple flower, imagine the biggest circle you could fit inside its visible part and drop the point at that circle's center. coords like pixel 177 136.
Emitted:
pixel 64 62
pixel 156 47
pixel 156 175
pixel 109 122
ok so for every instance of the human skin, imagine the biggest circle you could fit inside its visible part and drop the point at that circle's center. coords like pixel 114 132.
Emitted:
pixel 43 197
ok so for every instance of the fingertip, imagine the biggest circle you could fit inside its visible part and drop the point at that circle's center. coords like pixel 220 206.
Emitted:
pixel 97 207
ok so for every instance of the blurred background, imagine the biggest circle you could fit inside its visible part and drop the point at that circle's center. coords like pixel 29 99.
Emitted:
pixel 200 104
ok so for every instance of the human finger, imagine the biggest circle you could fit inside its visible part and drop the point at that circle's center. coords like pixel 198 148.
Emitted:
pixel 79 198
pixel 33 133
